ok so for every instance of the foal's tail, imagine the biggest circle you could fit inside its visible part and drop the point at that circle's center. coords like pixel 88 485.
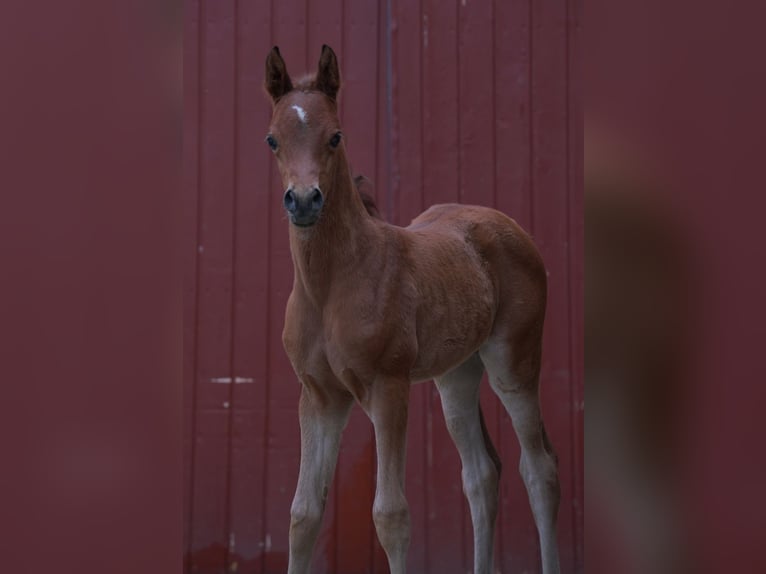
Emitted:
pixel 362 184
pixel 488 444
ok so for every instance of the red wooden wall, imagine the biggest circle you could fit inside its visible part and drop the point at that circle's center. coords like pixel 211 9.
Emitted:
pixel 470 100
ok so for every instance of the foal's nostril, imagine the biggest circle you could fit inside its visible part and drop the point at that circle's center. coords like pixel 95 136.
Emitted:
pixel 316 198
pixel 289 201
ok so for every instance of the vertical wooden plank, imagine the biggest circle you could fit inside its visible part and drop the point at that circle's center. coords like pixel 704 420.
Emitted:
pixel 549 60
pixel 355 477
pixel 516 532
pixel 384 98
pixel 361 91
pixel 576 270
pixel 440 103
pixel 408 104
pixel 476 100
pixel 324 25
pixel 209 531
pixel 512 108
pixel 251 292
pixel 191 213
pixel 283 440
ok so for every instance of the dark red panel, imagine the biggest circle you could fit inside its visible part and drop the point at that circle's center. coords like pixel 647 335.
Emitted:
pixel 440 103
pixel 191 199
pixel 211 461
pixel 551 229
pixel 576 269
pixel 362 93
pixel 512 135
pixel 249 385
pixel 385 161
pixel 476 102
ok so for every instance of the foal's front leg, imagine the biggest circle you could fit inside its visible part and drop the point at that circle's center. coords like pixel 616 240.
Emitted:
pixel 387 409
pixel 322 420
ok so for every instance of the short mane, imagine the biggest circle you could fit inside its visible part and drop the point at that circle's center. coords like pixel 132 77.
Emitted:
pixel 362 183
pixel 306 83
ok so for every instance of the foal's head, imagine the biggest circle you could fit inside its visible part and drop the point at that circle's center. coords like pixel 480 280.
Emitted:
pixel 305 134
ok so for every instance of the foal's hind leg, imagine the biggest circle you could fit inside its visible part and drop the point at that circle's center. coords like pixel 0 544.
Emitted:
pixel 459 390
pixel 323 415
pixel 513 364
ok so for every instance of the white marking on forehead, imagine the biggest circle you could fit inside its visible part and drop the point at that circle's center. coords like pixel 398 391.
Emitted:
pixel 301 114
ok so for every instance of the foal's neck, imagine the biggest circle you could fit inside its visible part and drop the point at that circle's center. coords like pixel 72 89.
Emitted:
pixel 338 241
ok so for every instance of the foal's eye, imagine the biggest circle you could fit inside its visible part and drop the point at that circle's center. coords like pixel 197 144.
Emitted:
pixel 272 142
pixel 335 140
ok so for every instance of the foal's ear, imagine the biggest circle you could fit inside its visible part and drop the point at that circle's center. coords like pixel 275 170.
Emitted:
pixel 277 82
pixel 328 76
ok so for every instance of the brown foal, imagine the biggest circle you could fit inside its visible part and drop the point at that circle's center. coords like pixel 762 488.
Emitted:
pixel 375 308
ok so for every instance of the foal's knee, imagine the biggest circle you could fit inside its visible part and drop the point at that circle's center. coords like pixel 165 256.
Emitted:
pixel 304 519
pixel 539 467
pixel 392 523
pixel 482 483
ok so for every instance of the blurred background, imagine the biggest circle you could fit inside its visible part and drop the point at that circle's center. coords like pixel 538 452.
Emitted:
pixel 476 101
pixel 674 329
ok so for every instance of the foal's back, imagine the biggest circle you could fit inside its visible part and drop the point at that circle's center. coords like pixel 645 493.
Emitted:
pixel 494 236
pixel 497 247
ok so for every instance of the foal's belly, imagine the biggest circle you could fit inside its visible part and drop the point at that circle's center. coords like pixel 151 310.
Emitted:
pixel 454 319
pixel 444 350
pixel 451 320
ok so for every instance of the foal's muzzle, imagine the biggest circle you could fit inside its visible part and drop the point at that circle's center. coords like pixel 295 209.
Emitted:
pixel 303 208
